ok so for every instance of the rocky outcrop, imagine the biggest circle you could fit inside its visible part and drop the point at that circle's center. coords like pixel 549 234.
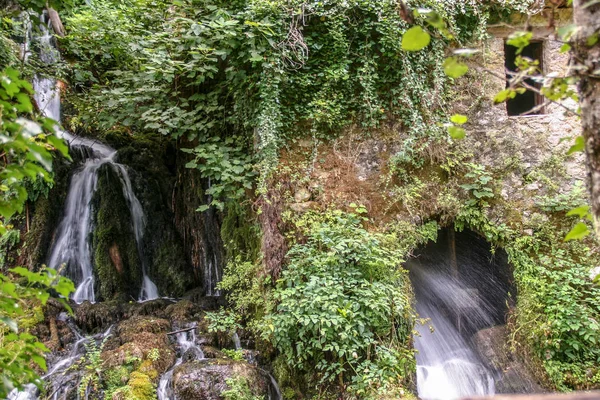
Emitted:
pixel 208 379
pixel 491 344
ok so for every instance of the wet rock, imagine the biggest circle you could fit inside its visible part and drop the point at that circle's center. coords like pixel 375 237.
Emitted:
pixel 207 379
pixel 99 316
pixel 143 338
pixel 130 328
pixel 141 346
pixel 155 308
pixel 193 353
pixel 302 195
pixel 491 344
pixel 183 311
pixel 212 352
pixel 205 303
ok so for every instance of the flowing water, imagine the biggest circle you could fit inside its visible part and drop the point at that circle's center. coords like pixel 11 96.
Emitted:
pixel 188 350
pixel 459 295
pixel 62 378
pixel 72 246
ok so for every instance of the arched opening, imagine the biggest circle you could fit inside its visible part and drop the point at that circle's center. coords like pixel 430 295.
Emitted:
pixel 461 287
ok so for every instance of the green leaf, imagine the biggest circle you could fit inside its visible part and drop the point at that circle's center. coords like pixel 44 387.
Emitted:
pixel 456 132
pixel 520 40
pixel 579 211
pixel 504 95
pixel 579 231
pixel 591 3
pixel 454 68
pixel 415 39
pixel 565 48
pixel 459 119
pixel 566 32
pixel 578 146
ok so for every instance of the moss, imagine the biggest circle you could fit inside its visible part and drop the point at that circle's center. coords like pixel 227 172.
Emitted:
pixel 169 268
pixel 141 386
pixel 240 232
pixel 116 257
pixel 114 380
pixel 147 368
pixel 152 171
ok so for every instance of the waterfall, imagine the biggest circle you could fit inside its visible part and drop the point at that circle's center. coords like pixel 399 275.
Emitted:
pixel 236 341
pixel 460 289
pixel 212 274
pixel 447 367
pixel 71 245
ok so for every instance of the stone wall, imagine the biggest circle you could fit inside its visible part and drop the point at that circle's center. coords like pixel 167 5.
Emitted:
pixel 529 152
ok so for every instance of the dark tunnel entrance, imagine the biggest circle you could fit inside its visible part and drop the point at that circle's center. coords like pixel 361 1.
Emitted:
pixel 462 288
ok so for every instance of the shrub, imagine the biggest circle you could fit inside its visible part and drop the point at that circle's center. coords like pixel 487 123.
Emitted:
pixel 344 303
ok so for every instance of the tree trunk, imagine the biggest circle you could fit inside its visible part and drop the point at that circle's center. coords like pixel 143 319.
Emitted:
pixel 57 24
pixel 588 57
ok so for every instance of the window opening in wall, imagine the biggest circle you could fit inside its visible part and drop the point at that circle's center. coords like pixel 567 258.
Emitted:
pixel 528 103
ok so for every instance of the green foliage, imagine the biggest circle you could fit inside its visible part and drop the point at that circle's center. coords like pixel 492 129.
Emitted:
pixel 558 294
pixel 343 301
pixel 480 186
pixel 240 79
pixel 239 389
pixel 236 355
pixel 227 163
pixel 91 365
pixel 27 143
pixel 248 291
pixel 18 348
pixel 222 321
pixel 563 201
pixel 8 241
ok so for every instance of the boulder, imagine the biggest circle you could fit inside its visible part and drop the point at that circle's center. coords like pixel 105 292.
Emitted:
pixel 513 376
pixel 207 379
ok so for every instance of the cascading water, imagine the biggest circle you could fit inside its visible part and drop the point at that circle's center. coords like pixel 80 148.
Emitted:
pixel 187 349
pixel 71 246
pixel 212 273
pixel 459 296
pixel 62 378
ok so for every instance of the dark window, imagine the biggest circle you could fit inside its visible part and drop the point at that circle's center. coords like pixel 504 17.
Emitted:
pixel 526 103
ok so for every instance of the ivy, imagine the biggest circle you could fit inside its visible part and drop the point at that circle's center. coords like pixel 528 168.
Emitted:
pixel 262 72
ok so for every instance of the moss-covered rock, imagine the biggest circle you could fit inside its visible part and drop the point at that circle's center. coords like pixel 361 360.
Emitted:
pixel 145 340
pixel 207 379
pixel 45 214
pixel 183 311
pixel 139 387
pixel 153 174
pixel 116 259
pixel 133 326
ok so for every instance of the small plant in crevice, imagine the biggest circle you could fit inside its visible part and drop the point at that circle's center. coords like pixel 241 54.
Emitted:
pixel 480 187
pixel 93 370
pixel 239 389
pixel 235 355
